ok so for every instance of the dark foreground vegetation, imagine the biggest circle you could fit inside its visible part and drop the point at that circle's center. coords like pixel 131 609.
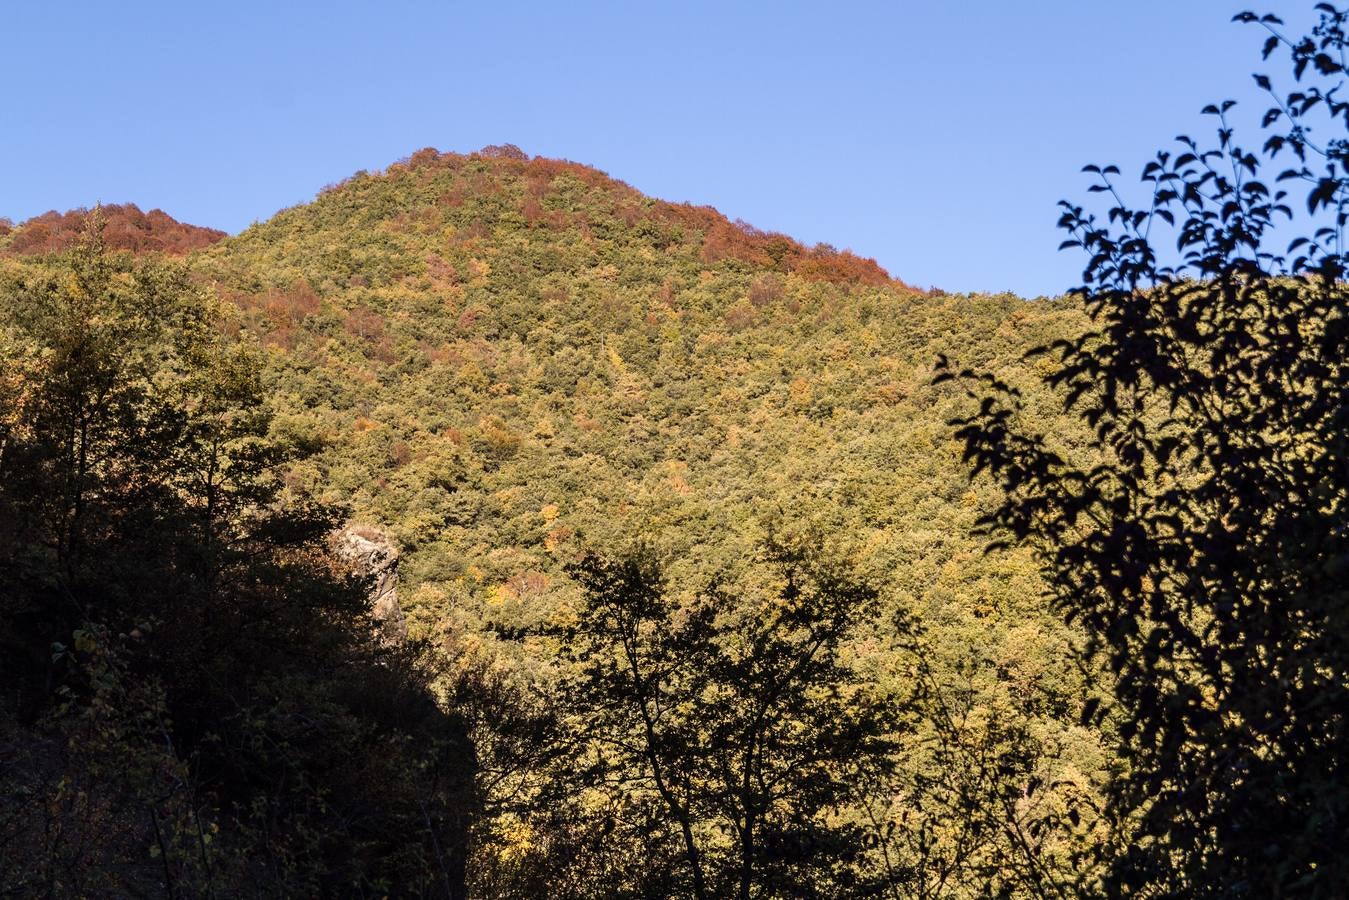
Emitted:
pixel 195 698
pixel 672 573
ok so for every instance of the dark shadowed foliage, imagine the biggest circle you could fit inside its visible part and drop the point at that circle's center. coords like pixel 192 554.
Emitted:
pixel 731 726
pixel 196 702
pixel 1207 554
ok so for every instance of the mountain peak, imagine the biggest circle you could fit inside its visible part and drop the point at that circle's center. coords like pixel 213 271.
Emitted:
pixel 503 181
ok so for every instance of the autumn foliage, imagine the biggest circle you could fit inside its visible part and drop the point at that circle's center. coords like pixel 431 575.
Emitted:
pixel 722 239
pixel 767 249
pixel 505 363
pixel 126 228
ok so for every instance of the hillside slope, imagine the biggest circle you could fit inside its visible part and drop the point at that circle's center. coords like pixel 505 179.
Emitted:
pixel 506 363
pixel 510 361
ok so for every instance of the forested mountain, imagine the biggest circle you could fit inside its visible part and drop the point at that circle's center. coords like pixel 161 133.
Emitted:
pixel 509 361
pixel 511 367
pixel 486 528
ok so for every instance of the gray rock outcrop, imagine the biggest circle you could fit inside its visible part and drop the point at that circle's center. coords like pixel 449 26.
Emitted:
pixel 375 557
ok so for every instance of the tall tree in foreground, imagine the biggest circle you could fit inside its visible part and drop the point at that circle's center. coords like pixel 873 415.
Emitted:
pixel 1207 554
pixel 742 725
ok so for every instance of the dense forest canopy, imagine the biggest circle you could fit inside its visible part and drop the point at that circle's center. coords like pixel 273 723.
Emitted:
pixel 504 364
pixel 125 227
pixel 485 527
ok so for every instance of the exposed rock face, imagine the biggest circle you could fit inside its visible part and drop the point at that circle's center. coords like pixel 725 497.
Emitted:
pixel 376 558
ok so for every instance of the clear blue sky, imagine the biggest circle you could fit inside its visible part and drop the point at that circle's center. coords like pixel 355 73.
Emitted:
pixel 935 136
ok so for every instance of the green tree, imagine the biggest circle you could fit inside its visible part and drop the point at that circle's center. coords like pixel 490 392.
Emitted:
pixel 1203 546
pixel 741 724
